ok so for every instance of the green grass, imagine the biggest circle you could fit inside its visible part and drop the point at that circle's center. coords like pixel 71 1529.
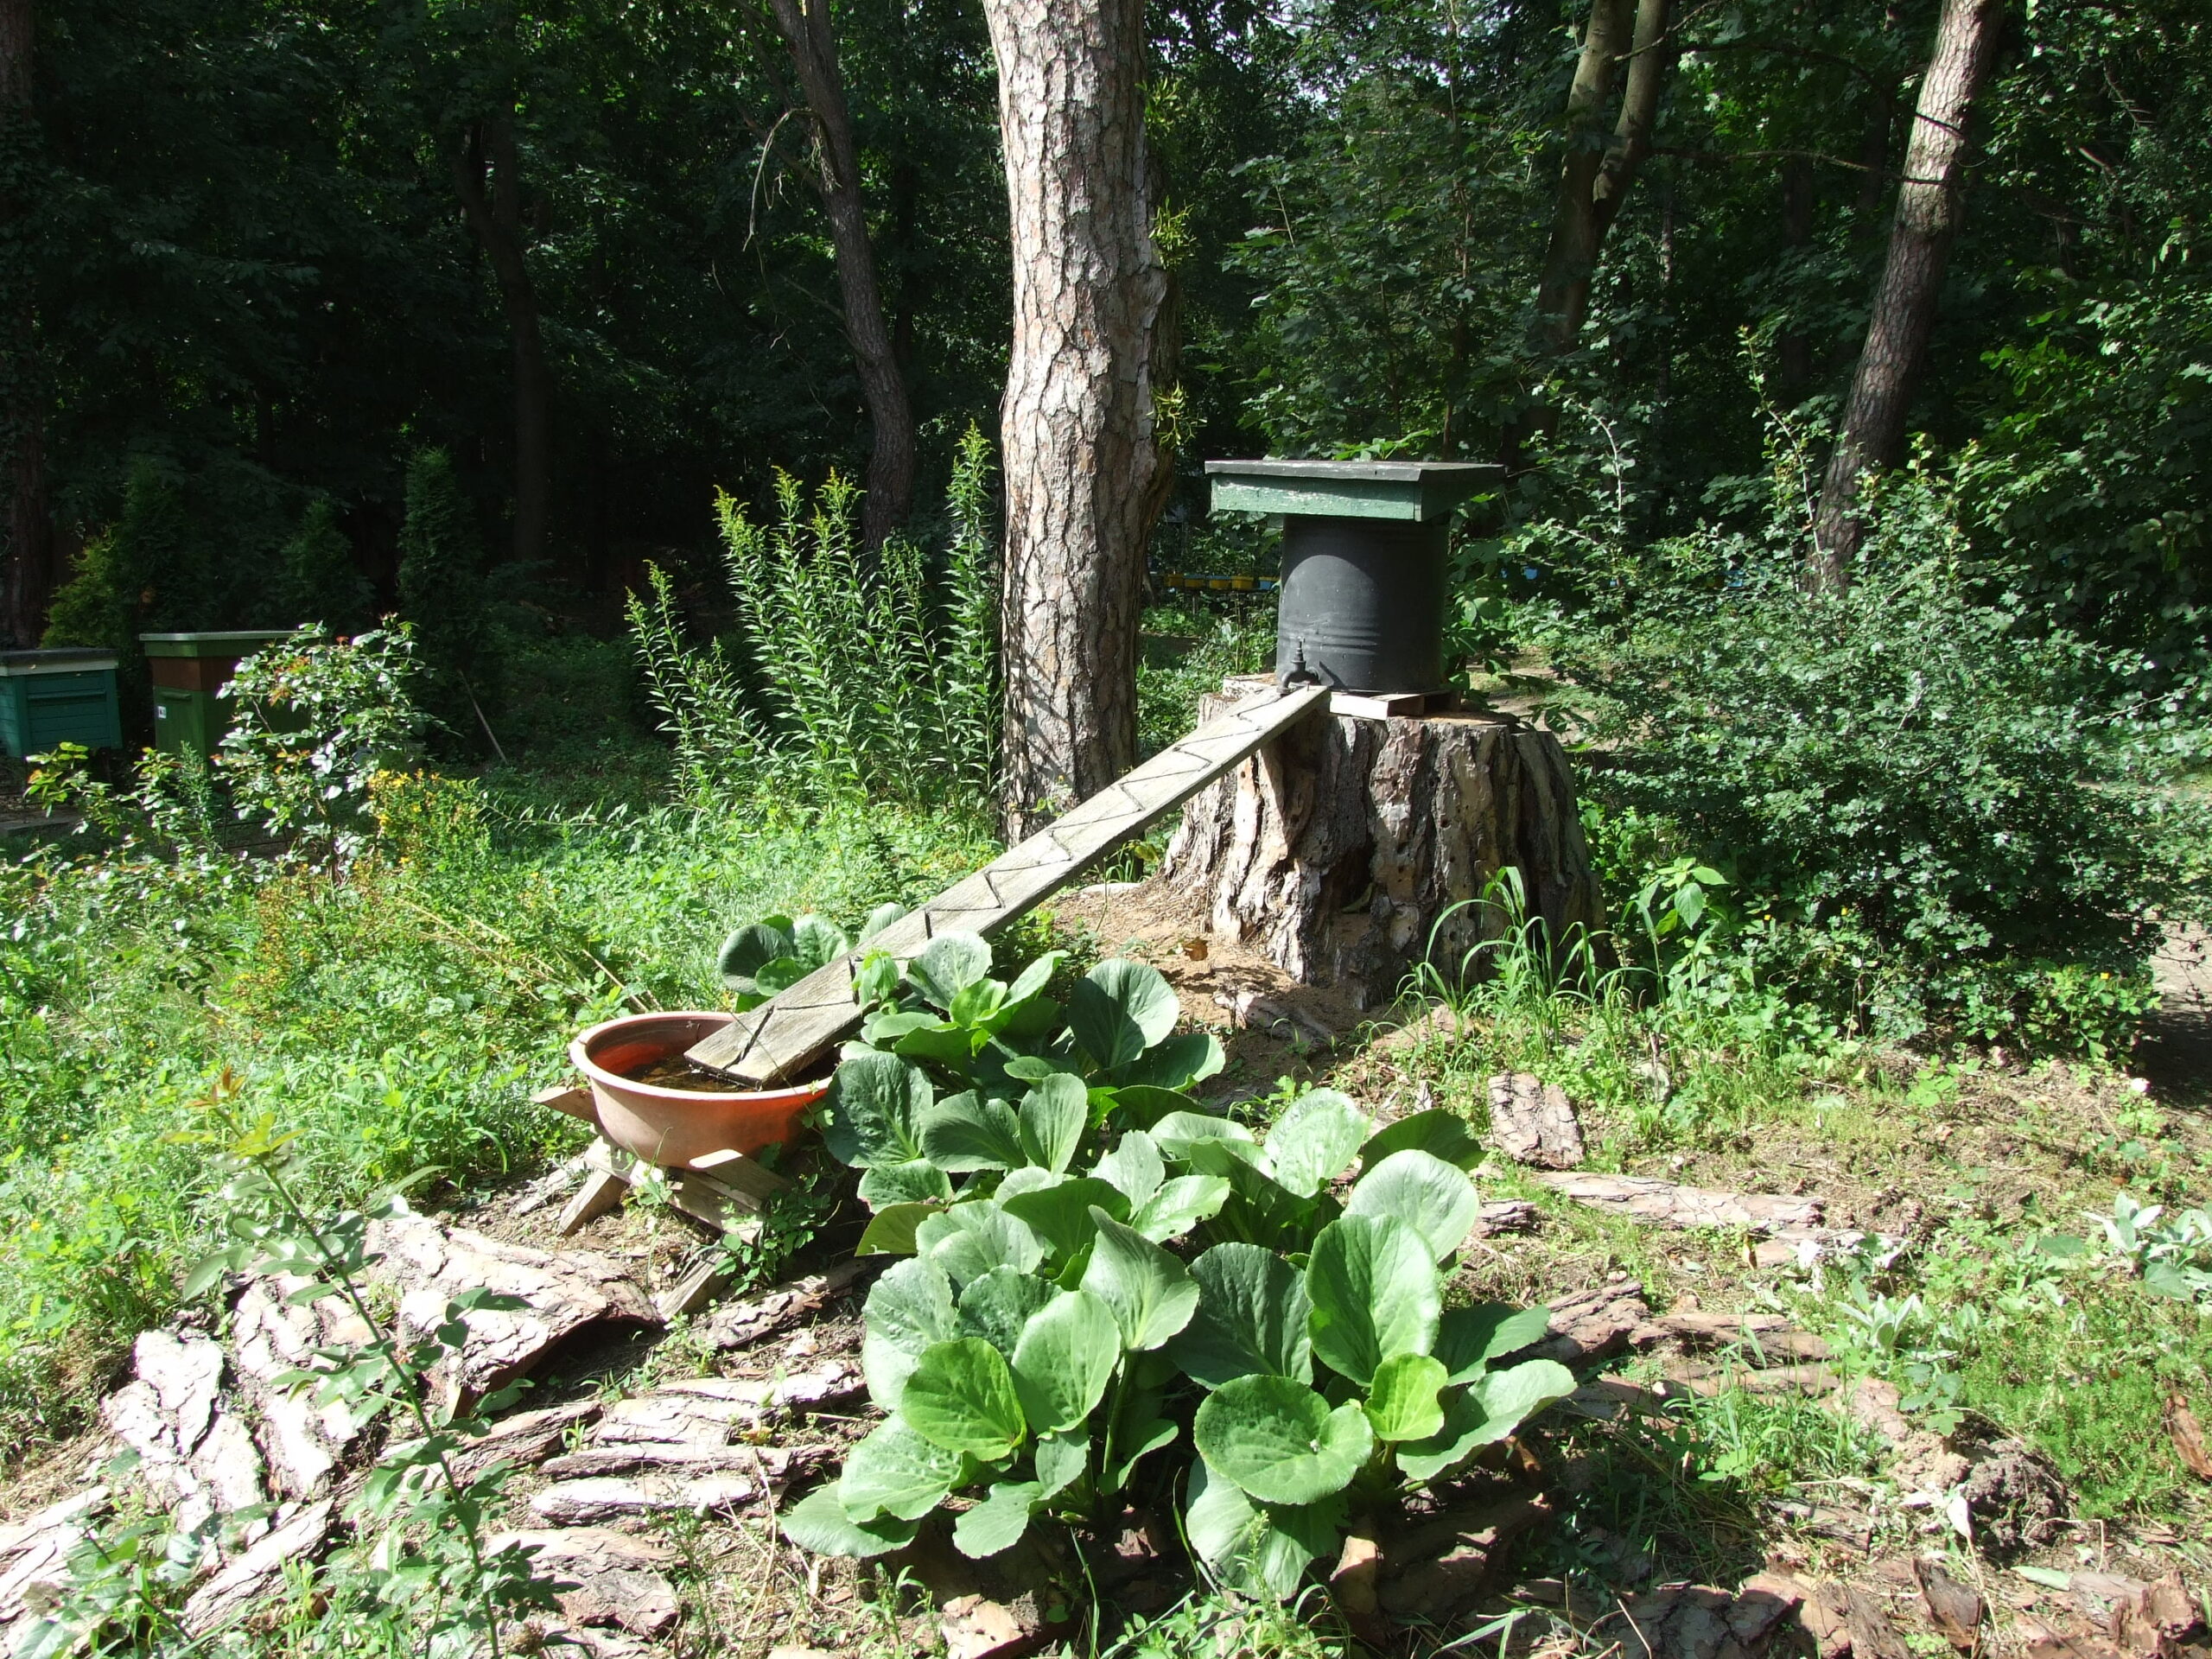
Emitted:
pixel 398 1018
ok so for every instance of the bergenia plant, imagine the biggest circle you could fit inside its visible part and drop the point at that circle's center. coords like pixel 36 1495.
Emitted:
pixel 1093 1282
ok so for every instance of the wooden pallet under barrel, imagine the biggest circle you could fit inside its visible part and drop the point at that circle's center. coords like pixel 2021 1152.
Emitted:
pixel 784 1035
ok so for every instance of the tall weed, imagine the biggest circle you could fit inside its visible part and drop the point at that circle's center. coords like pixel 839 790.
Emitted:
pixel 850 672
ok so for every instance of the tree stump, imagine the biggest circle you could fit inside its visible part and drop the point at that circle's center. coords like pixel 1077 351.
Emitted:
pixel 1350 848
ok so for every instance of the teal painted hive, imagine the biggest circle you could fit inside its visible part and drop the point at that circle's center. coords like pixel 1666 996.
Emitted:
pixel 51 698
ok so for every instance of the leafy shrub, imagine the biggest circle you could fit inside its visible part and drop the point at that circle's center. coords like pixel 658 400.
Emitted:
pixel 1943 810
pixel 1045 1335
pixel 317 580
pixel 851 671
pixel 316 722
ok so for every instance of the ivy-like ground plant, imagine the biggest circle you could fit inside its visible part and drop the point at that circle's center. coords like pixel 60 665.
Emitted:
pixel 1097 1269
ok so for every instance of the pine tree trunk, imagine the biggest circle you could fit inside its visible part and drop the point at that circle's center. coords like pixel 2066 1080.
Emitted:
pixel 495 217
pixel 1929 204
pixel 29 547
pixel 1349 850
pixel 1076 422
pixel 1597 171
pixel 805 26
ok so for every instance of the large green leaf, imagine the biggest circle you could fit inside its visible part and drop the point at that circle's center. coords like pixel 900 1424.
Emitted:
pixel 1401 1402
pixel 1121 1009
pixel 1065 1359
pixel 978 1001
pixel 1151 1293
pixel 997 1524
pixel 1134 1427
pixel 996 1306
pixel 1255 1548
pixel 1486 1412
pixel 918 1181
pixel 1251 1319
pixel 1061 1459
pixel 1279 1441
pixel 1469 1338
pixel 1179 1205
pixel 818 1522
pixel 1315 1141
pixel 961 1397
pixel 948 964
pixel 941 1043
pixel 1209 1144
pixel 1174 1064
pixel 908 1309
pixel 963 1133
pixel 895 1472
pixel 1140 1105
pixel 1439 1133
pixel 1134 1166
pixel 1054 1115
pixel 1375 1292
pixel 817 942
pixel 969 1240
pixel 750 949
pixel 1437 1200
pixel 1035 978
pixel 1263 1211
pixel 892 1231
pixel 1028 1179
pixel 873 1112
pixel 1060 1214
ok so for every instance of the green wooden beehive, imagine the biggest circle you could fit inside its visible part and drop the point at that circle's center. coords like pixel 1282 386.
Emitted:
pixel 189 671
pixel 52 697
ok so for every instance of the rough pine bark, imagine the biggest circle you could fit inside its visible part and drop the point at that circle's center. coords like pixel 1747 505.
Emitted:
pixel 1076 426
pixel 1347 846
pixel 495 217
pixel 1929 203
pixel 890 497
pixel 29 547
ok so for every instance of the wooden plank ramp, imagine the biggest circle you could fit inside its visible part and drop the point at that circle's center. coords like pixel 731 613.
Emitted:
pixel 784 1033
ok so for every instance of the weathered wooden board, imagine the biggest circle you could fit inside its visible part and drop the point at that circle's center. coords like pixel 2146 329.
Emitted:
pixel 783 1034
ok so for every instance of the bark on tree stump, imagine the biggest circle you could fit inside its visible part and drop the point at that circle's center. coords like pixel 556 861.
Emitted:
pixel 1342 847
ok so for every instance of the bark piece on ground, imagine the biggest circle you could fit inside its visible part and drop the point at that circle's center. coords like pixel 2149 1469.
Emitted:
pixel 665 1457
pixel 738 1323
pixel 271 1336
pixel 1532 1121
pixel 1872 1636
pixel 196 1457
pixel 1507 1216
pixel 2044 1642
pixel 1824 1615
pixel 1953 1608
pixel 1762 1338
pixel 1708 1378
pixel 976 1627
pixel 1595 1324
pixel 1277 1016
pixel 584 1503
pixel 586 1549
pixel 1435 1567
pixel 1838 1523
pixel 36 1551
pixel 247 1577
pixel 1762 1602
pixel 524 1439
pixel 708 1410
pixel 1670 1203
pixel 640 1599
pixel 565 1291
pixel 2153 1621
pixel 2188 1436
pixel 1689 1621
pixel 1354 1583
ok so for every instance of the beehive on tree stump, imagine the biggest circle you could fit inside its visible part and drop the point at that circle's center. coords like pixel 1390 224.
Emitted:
pixel 1344 846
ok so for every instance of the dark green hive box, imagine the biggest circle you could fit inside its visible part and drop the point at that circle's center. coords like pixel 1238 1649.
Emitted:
pixel 188 670
pixel 52 697
pixel 1364 576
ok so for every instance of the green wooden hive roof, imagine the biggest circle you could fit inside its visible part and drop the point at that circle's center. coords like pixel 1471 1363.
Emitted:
pixel 1423 492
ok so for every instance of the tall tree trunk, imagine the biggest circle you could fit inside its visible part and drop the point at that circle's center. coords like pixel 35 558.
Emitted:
pixel 495 216
pixel 1929 204
pixel 29 577
pixel 1599 169
pixel 1077 424
pixel 805 26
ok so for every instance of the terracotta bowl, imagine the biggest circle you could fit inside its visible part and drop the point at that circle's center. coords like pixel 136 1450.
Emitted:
pixel 673 1127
